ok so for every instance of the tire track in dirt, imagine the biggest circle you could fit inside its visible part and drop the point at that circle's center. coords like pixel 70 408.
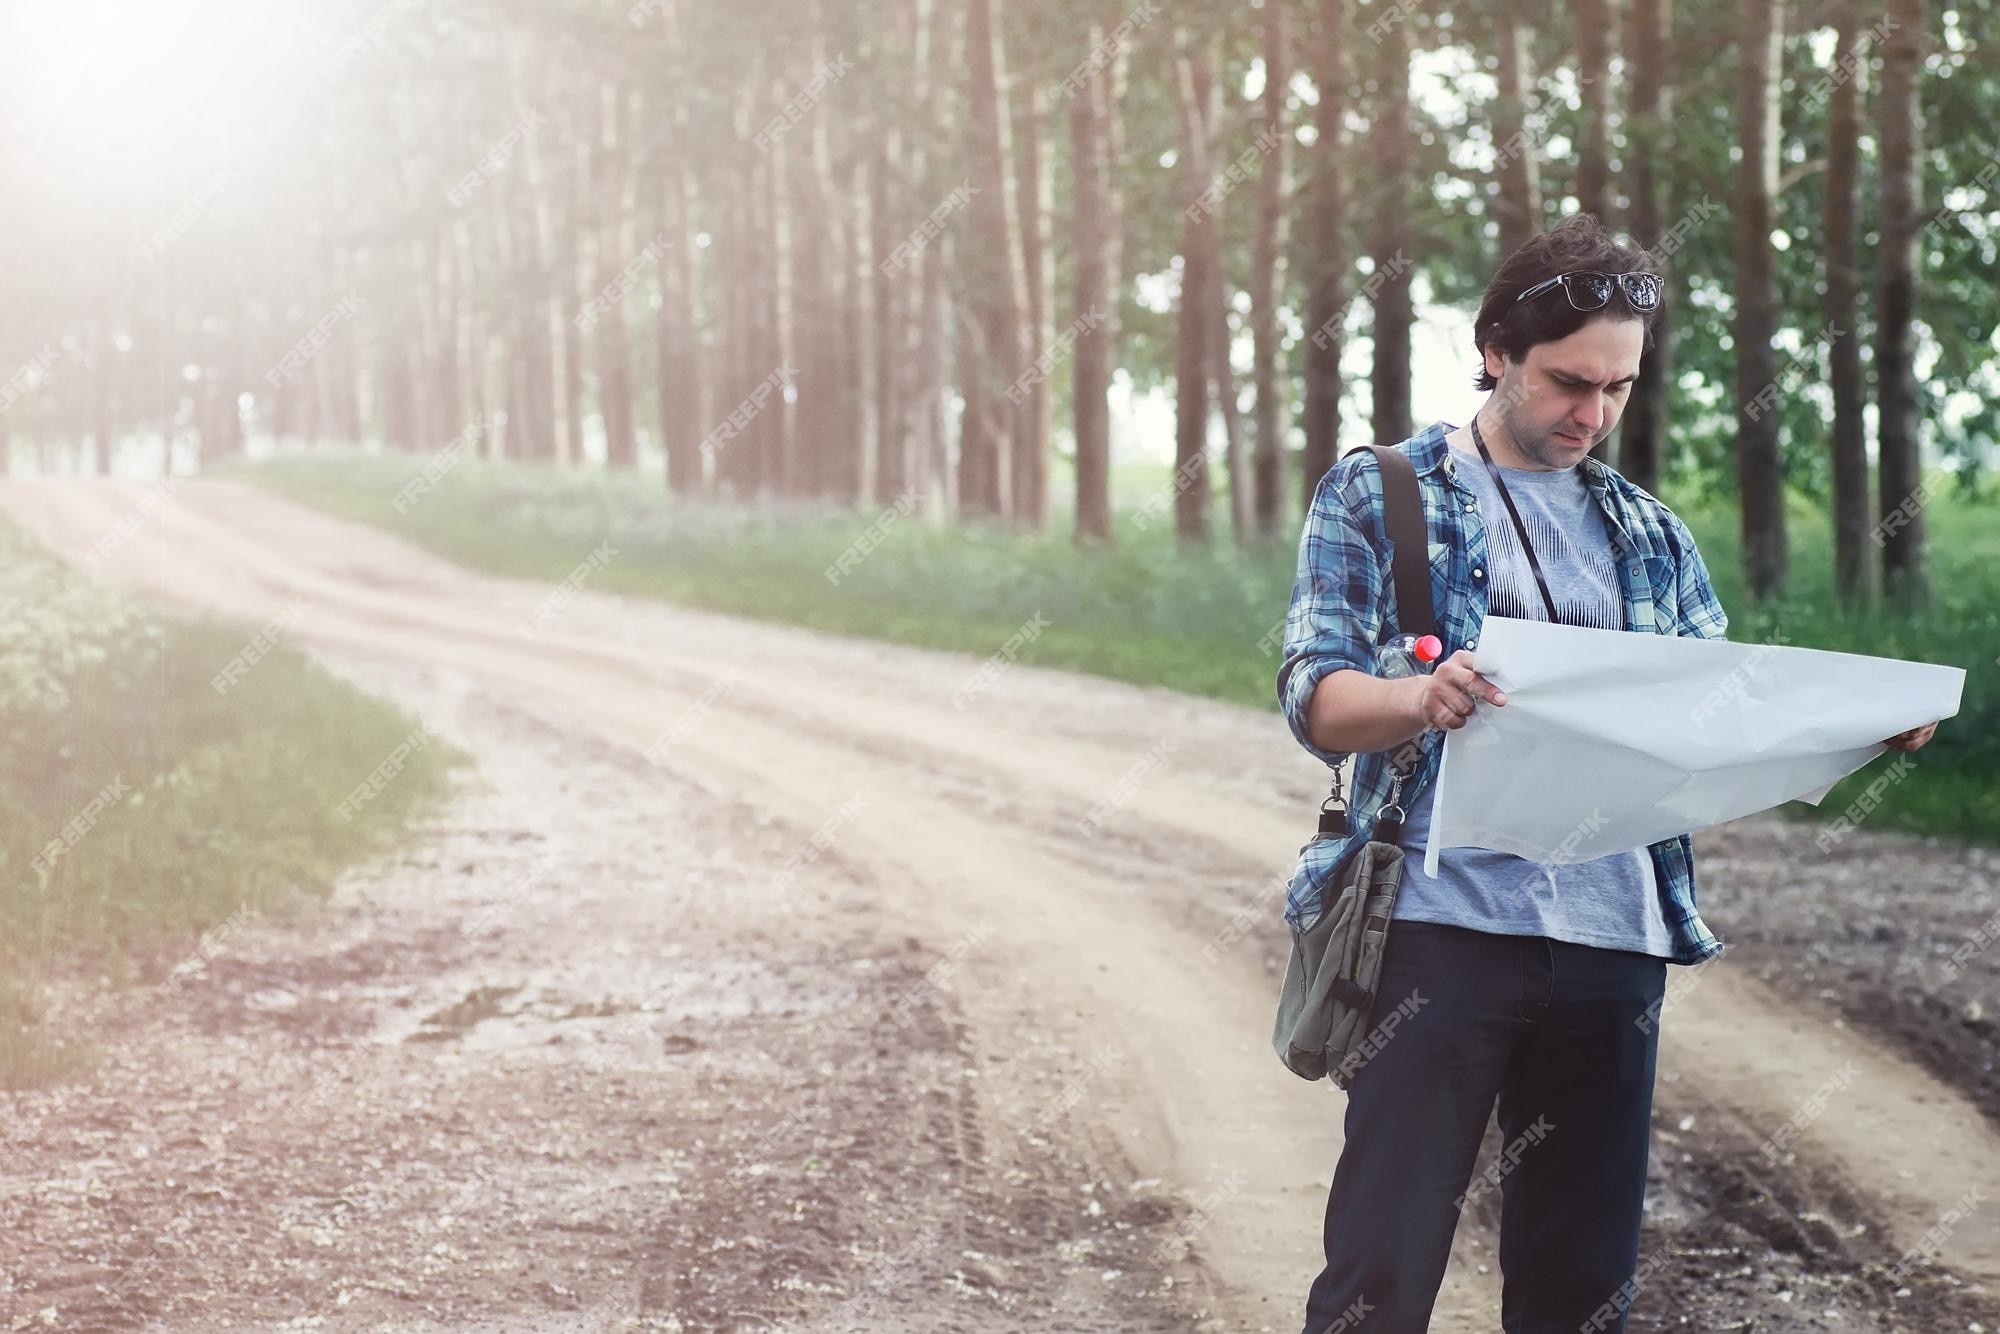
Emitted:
pixel 535 1072
pixel 853 715
pixel 1195 1096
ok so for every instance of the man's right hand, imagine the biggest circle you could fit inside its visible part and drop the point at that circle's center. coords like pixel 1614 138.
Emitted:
pixel 1451 690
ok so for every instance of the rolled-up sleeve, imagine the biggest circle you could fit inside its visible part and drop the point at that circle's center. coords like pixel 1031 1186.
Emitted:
pixel 1336 608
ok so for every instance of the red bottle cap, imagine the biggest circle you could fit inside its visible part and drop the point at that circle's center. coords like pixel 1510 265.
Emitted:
pixel 1429 649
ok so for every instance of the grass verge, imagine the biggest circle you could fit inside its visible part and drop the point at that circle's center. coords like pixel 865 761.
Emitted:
pixel 1147 609
pixel 143 807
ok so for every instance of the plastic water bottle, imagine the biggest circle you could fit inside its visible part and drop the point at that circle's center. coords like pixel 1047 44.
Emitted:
pixel 1408 655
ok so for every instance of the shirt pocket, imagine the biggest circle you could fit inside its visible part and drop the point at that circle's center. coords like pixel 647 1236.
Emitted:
pixel 1661 582
pixel 1443 574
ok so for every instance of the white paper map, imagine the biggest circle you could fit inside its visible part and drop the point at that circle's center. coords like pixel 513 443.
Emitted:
pixel 1611 740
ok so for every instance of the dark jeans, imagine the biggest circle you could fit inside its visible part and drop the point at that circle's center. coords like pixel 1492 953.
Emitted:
pixel 1553 1030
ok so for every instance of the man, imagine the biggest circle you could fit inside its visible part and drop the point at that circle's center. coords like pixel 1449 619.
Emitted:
pixel 1540 981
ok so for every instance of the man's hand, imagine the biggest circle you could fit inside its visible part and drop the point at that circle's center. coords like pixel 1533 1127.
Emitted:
pixel 1452 690
pixel 1913 738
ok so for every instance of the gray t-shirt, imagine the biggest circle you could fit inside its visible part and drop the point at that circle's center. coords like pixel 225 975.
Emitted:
pixel 1611 902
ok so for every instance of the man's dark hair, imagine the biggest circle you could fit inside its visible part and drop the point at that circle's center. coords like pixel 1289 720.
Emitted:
pixel 1578 242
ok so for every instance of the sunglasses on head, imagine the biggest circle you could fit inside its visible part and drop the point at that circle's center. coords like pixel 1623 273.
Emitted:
pixel 1590 291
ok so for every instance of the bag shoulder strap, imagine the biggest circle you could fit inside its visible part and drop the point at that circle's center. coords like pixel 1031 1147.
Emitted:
pixel 1410 567
pixel 1407 530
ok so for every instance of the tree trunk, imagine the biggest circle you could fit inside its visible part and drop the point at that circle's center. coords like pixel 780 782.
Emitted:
pixel 615 251
pixel 1389 145
pixel 105 360
pixel 678 371
pixel 940 46
pixel 1759 469
pixel 1092 224
pixel 508 325
pixel 1215 298
pixel 777 465
pixel 1193 356
pixel 1897 439
pixel 570 291
pixel 1593 174
pixel 740 271
pixel 1518 205
pixel 1267 267
pixel 1642 431
pixel 731 260
pixel 427 360
pixel 680 382
pixel 933 443
pixel 1326 303
pixel 993 277
pixel 891 310
pixel 448 347
pixel 1221 343
pixel 344 397
pixel 849 446
pixel 736 271
pixel 472 332
pixel 1037 201
pixel 1594 19
pixel 814 323
pixel 1843 285
pixel 545 280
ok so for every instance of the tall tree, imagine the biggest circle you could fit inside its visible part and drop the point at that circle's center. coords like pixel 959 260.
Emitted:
pixel 941 40
pixel 615 194
pixel 1593 19
pixel 681 387
pixel 777 465
pixel 1649 56
pixel 571 169
pixel 1518 204
pixel 994 280
pixel 1759 473
pixel 1091 107
pixel 1593 166
pixel 1897 439
pixel 890 305
pixel 848 446
pixel 1222 370
pixel 1843 285
pixel 533 414
pixel 1326 302
pixel 1036 196
pixel 1194 89
pixel 1200 100
pixel 1389 152
pixel 814 236
pixel 1267 266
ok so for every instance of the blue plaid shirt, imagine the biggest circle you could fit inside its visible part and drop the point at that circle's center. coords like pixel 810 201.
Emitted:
pixel 1344 606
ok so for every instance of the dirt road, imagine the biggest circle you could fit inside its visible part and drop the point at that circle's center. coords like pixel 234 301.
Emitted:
pixel 797 996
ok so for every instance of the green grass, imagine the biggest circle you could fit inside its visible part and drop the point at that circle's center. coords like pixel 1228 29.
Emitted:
pixel 1144 610
pixel 208 805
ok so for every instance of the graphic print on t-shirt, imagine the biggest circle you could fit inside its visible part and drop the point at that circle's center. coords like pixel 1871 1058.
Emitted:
pixel 1583 577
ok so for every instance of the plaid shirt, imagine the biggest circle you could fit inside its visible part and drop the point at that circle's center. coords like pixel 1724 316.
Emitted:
pixel 1343 607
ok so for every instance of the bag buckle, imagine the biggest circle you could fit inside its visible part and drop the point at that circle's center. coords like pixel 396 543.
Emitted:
pixel 1333 811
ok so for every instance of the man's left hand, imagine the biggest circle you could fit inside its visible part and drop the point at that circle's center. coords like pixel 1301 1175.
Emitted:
pixel 1913 738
